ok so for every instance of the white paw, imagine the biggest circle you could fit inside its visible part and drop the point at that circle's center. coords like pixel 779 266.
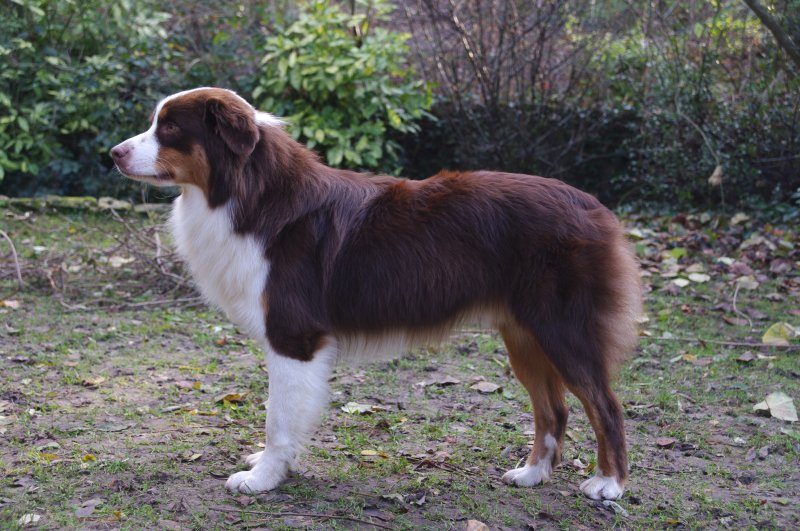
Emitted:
pixel 252 459
pixel 252 482
pixel 601 487
pixel 529 475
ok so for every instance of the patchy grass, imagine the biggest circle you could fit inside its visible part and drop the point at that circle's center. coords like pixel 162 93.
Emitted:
pixel 113 409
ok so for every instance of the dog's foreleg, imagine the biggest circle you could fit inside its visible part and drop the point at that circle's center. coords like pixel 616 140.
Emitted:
pixel 298 394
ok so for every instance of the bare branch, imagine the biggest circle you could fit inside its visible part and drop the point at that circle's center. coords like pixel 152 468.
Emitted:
pixel 784 41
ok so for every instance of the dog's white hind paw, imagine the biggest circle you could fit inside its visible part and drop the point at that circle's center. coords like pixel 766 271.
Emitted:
pixel 248 482
pixel 252 459
pixel 529 475
pixel 602 487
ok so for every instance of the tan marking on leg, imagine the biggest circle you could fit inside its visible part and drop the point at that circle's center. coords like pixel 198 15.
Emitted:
pixel 545 388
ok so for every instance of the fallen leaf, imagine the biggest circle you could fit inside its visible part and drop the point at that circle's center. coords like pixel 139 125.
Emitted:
pixel 232 398
pixel 681 282
pixel 9 304
pixel 678 252
pixel 746 357
pixel 374 453
pixel 777 405
pixel 443 381
pixel 87 458
pixel 780 266
pixel 28 519
pixel 188 384
pixel 486 387
pixel 716 176
pixel 616 507
pixel 666 442
pixel 735 321
pixel 115 426
pixel 699 277
pixel 739 218
pixel 361 409
pixel 93 382
pixel 119 261
pixel 747 282
pixel 475 525
pixel 778 334
pixel 88 507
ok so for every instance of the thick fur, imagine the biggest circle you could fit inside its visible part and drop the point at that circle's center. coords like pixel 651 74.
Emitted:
pixel 318 262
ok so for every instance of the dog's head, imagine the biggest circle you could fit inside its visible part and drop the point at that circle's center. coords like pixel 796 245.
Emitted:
pixel 192 133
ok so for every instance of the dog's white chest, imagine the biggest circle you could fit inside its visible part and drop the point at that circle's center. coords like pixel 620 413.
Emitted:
pixel 229 269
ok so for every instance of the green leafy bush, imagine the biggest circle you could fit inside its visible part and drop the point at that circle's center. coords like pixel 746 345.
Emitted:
pixel 77 77
pixel 343 85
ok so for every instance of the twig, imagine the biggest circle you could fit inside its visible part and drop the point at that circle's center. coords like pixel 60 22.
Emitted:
pixel 726 343
pixel 736 310
pixel 281 514
pixel 15 257
pixel 186 301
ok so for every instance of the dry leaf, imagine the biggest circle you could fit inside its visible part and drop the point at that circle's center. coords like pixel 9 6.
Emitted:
pixel 716 176
pixel 739 217
pixel 232 398
pixel 374 453
pixel 778 334
pixel 616 507
pixel 9 304
pixel 443 381
pixel 88 507
pixel 777 405
pixel 699 277
pixel 361 409
pixel 28 519
pixel 666 442
pixel 93 382
pixel 747 282
pixel 475 525
pixel 486 387
pixel 681 282
pixel 735 321
pixel 119 261
pixel 746 357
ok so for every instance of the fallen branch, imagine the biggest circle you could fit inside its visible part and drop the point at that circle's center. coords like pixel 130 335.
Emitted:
pixel 281 514
pixel 15 257
pixel 736 310
pixel 725 343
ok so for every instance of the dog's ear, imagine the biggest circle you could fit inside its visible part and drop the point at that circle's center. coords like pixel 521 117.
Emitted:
pixel 234 122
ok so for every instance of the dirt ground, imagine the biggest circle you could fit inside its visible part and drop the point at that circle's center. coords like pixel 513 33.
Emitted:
pixel 119 411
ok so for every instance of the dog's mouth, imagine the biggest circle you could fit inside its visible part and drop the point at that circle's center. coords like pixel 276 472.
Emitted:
pixel 163 178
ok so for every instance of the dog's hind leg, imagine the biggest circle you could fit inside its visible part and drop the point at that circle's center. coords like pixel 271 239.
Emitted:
pixel 298 394
pixel 579 358
pixel 546 391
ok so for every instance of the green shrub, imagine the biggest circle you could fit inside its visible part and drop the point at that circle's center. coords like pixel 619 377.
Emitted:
pixel 77 78
pixel 342 84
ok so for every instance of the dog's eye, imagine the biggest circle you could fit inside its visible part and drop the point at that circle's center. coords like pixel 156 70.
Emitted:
pixel 170 128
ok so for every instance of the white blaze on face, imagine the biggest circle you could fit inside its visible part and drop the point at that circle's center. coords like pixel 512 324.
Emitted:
pixel 142 151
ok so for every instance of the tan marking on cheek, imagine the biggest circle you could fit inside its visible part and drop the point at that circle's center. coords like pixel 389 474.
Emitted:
pixel 186 168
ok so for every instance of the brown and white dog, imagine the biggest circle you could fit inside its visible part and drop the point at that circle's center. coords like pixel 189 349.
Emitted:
pixel 318 263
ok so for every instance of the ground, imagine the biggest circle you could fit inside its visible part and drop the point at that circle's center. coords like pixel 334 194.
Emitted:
pixel 126 403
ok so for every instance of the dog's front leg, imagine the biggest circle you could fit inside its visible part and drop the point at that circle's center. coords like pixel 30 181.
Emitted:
pixel 298 394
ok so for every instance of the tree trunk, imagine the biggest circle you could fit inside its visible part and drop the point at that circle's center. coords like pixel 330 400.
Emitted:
pixel 784 41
